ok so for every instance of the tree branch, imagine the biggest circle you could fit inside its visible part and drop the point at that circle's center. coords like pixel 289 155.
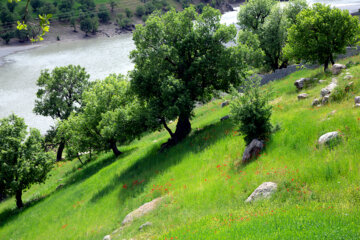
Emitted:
pixel 166 127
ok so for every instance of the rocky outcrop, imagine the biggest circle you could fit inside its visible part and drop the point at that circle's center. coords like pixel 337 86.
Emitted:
pixel 326 138
pixel 357 99
pixel 303 96
pixel 336 68
pixel 141 211
pixel 316 102
pixel 252 150
pixel 265 190
pixel 300 84
pixel 328 90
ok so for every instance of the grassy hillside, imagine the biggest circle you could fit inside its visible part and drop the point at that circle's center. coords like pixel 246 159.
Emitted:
pixel 205 185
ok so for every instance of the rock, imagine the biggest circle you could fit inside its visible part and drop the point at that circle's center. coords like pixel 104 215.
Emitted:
pixel 303 96
pixel 327 90
pixel 60 186
pixel 325 99
pixel 142 210
pixel 327 137
pixel 332 113
pixel 336 68
pixel 357 105
pixel 107 237
pixel 265 190
pixel 147 224
pixel 224 104
pixel 299 84
pixel 315 102
pixel 357 99
pixel 252 150
pixel 224 118
pixel 334 80
pixel 322 81
pixel 348 77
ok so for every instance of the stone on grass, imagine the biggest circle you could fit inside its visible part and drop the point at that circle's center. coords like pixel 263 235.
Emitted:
pixel 348 77
pixel 252 150
pixel 299 84
pixel 145 225
pixel 265 190
pixel 336 68
pixel 142 210
pixel 327 90
pixel 225 118
pixel 224 104
pixel 322 81
pixel 328 137
pixel 357 99
pixel 303 96
pixel 357 105
pixel 316 102
pixel 107 237
pixel 325 99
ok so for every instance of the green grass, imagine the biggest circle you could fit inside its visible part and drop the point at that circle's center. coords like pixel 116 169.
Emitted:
pixel 205 185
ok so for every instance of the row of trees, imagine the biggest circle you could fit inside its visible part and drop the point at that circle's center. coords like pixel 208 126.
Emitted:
pixel 180 59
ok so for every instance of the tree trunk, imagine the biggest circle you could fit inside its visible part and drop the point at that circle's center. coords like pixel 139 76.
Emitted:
pixel 19 202
pixel 332 60
pixel 114 148
pixel 60 151
pixel 326 65
pixel 183 128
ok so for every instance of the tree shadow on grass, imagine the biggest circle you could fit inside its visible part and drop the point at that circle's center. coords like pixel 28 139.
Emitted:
pixel 11 214
pixel 133 180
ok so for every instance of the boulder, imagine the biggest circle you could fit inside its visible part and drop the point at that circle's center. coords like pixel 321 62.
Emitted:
pixel 316 102
pixel 328 137
pixel 336 68
pixel 348 77
pixel 325 99
pixel 142 210
pixel 145 225
pixel 357 105
pixel 265 190
pixel 357 99
pixel 322 81
pixel 252 150
pixel 303 96
pixel 299 84
pixel 327 90
pixel 225 118
pixel 224 104
pixel 107 237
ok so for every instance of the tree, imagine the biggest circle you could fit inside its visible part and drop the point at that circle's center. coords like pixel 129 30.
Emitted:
pixel 293 8
pixel 104 14
pixel 180 59
pixel 253 14
pixel 129 13
pixel 60 94
pixel 89 24
pixel 272 35
pixel 11 6
pixel 47 8
pixel 320 33
pixel 36 4
pixel 251 111
pixel 140 11
pixel 111 114
pixel 113 4
pixel 23 160
pixel 73 23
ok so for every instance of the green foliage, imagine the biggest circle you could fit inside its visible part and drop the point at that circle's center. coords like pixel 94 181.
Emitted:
pixel 111 114
pixel 23 161
pixel 293 8
pixel 36 4
pixel 122 22
pixel 251 111
pixel 129 13
pixel 7 35
pixel 113 4
pixel 320 33
pixel 47 8
pixel 180 59
pixel 89 24
pixel 104 14
pixel 140 11
pixel 11 6
pixel 253 14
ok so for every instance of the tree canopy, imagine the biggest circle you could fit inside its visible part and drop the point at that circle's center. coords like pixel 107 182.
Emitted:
pixel 320 33
pixel 60 93
pixel 23 161
pixel 181 59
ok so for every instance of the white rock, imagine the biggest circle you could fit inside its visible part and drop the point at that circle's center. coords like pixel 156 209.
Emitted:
pixel 142 210
pixel 348 77
pixel 147 224
pixel 265 190
pixel 303 96
pixel 315 102
pixel 327 137
pixel 357 99
pixel 322 81
pixel 325 99
pixel 107 237
pixel 357 105
pixel 327 90
pixel 336 68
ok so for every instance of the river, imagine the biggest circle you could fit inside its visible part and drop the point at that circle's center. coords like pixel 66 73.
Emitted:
pixel 99 56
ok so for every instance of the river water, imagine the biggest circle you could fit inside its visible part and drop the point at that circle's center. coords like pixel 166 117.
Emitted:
pixel 100 57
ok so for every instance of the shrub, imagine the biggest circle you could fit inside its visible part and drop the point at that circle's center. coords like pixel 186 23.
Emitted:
pixel 104 14
pixel 140 11
pixel 251 111
pixel 128 12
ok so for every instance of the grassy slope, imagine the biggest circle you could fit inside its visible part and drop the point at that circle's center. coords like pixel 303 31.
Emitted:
pixel 318 195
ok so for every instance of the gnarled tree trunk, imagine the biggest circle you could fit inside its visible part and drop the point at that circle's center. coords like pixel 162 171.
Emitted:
pixel 19 202
pixel 114 148
pixel 60 151
pixel 183 128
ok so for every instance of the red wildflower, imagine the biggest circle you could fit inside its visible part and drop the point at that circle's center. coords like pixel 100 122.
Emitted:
pixel 64 226
pixel 124 186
